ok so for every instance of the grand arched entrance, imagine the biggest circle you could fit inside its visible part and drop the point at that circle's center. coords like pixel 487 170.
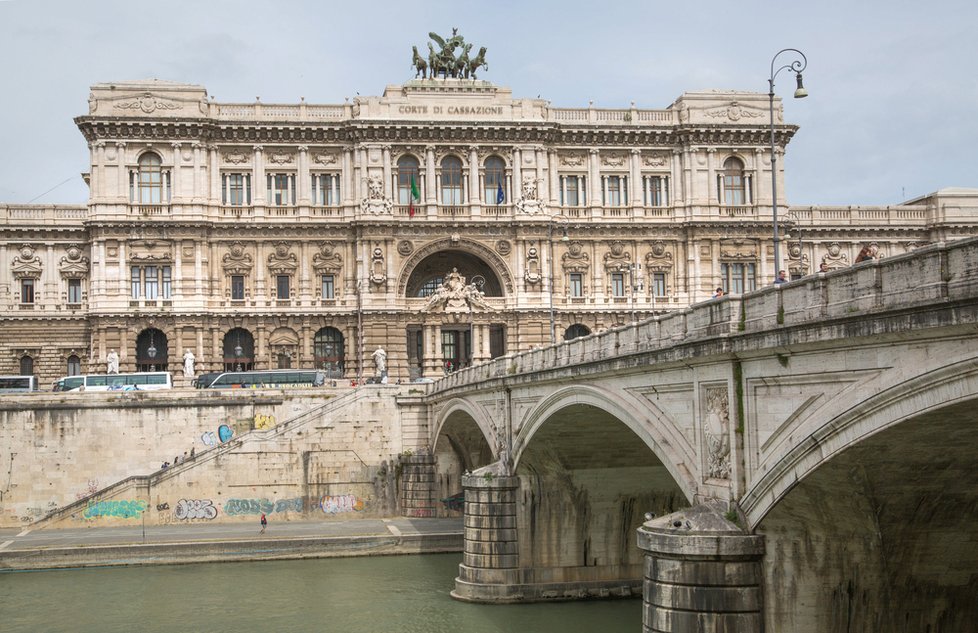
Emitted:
pixel 457 297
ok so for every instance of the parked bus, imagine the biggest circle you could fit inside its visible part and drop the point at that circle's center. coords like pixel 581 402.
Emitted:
pixel 17 384
pixel 272 379
pixel 138 381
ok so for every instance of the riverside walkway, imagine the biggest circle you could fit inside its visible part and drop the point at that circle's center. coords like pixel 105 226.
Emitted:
pixel 206 542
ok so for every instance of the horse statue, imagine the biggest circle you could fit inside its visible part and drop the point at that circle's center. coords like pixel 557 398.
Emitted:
pixel 476 62
pixel 419 64
pixel 462 62
pixel 434 62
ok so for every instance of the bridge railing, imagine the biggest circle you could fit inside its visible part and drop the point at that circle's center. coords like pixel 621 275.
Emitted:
pixel 930 275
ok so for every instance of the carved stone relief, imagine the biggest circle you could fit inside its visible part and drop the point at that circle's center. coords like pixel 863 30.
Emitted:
pixel 237 261
pixel 282 261
pixel 575 260
pixel 327 261
pixel 573 160
pixel 236 158
pixel 503 247
pixel 835 257
pixel 378 269
pixel 405 247
pixel 74 265
pixel 147 103
pixel 454 295
pixel 26 265
pixel 738 249
pixel 531 273
pixel 528 201
pixel 716 431
pixel 375 202
pixel 150 251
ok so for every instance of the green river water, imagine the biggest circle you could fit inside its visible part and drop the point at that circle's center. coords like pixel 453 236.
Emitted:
pixel 349 595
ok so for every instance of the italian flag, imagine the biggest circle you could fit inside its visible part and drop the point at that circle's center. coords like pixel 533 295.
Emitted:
pixel 415 195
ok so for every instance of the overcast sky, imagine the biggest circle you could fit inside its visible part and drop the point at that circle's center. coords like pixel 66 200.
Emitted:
pixel 893 111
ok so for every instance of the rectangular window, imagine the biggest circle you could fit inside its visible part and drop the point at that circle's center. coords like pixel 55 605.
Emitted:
pixel 572 190
pixel 615 191
pixel 618 284
pixel 27 290
pixel 74 291
pixel 449 349
pixel 656 192
pixel 281 189
pixel 737 278
pixel 326 190
pixel 136 272
pixel 576 284
pixel 152 283
pixel 237 288
pixel 167 282
pixel 236 189
pixel 328 289
pixel 282 287
pixel 659 284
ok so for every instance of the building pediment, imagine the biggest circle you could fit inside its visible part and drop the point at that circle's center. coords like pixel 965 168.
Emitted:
pixel 27 264
pixel 236 261
pixel 74 265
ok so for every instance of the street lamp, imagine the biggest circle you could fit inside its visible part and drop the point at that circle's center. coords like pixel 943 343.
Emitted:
pixel 550 240
pixel 796 67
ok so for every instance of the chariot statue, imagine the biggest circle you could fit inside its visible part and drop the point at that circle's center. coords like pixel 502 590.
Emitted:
pixel 443 60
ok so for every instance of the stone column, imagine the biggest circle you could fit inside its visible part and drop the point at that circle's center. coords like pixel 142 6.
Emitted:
pixel 431 194
pixel 432 351
pixel 702 573
pixel 594 182
pixel 475 192
pixel 258 178
pixel 388 174
pixel 122 182
pixel 303 179
pixel 517 174
pixel 490 560
pixel 635 179
pixel 418 482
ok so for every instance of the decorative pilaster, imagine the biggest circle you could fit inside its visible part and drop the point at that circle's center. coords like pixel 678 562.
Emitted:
pixel 702 573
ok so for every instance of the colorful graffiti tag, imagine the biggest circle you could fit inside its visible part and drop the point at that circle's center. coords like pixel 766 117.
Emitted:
pixel 264 421
pixel 335 504
pixel 195 509
pixel 208 438
pixel 237 507
pixel 224 433
pixel 119 509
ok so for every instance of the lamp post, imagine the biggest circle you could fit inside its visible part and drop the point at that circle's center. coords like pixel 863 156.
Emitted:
pixel 550 241
pixel 796 67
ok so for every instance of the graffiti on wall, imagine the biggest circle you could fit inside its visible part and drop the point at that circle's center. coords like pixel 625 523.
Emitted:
pixel 91 489
pixel 263 421
pixel 335 504
pixel 116 508
pixel 224 433
pixel 188 509
pixel 237 507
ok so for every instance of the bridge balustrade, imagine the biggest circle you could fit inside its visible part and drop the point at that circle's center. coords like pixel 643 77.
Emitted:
pixel 938 272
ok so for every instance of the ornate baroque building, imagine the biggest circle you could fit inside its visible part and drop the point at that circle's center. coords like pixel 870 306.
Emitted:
pixel 445 221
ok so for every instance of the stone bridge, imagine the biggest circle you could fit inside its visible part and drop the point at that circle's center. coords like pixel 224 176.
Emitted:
pixel 808 452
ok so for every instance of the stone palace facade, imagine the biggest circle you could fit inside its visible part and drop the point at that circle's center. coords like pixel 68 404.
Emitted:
pixel 445 222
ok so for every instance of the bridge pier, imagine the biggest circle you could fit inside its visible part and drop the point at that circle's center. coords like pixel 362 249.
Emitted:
pixel 418 485
pixel 702 573
pixel 490 561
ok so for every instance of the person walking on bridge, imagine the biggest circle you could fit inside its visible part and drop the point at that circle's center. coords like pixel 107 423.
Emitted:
pixel 264 523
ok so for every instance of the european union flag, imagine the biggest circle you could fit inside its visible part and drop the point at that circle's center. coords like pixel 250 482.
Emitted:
pixel 500 194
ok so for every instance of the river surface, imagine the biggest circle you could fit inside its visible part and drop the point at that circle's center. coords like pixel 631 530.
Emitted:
pixel 397 594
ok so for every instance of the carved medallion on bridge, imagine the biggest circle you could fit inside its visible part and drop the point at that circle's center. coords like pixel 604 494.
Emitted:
pixel 454 295
pixel 716 431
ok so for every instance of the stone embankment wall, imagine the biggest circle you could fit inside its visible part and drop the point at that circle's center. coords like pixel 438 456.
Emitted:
pixel 78 459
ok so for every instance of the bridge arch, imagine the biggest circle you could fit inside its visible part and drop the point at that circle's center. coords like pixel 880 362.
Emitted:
pixel 463 441
pixel 658 434
pixel 870 513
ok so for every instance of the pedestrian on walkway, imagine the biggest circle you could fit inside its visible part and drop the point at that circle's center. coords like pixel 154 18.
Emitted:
pixel 192 452
pixel 264 523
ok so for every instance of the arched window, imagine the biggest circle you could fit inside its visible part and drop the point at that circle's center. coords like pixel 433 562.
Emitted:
pixel 152 185
pixel 26 366
pixel 328 351
pixel 733 185
pixel 576 331
pixel 74 366
pixel 151 350
pixel 495 181
pixel 239 350
pixel 408 179
pixel 451 181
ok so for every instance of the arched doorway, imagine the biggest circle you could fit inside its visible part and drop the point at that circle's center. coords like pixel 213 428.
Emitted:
pixel 328 351
pixel 576 331
pixel 452 290
pixel 151 350
pixel 239 350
